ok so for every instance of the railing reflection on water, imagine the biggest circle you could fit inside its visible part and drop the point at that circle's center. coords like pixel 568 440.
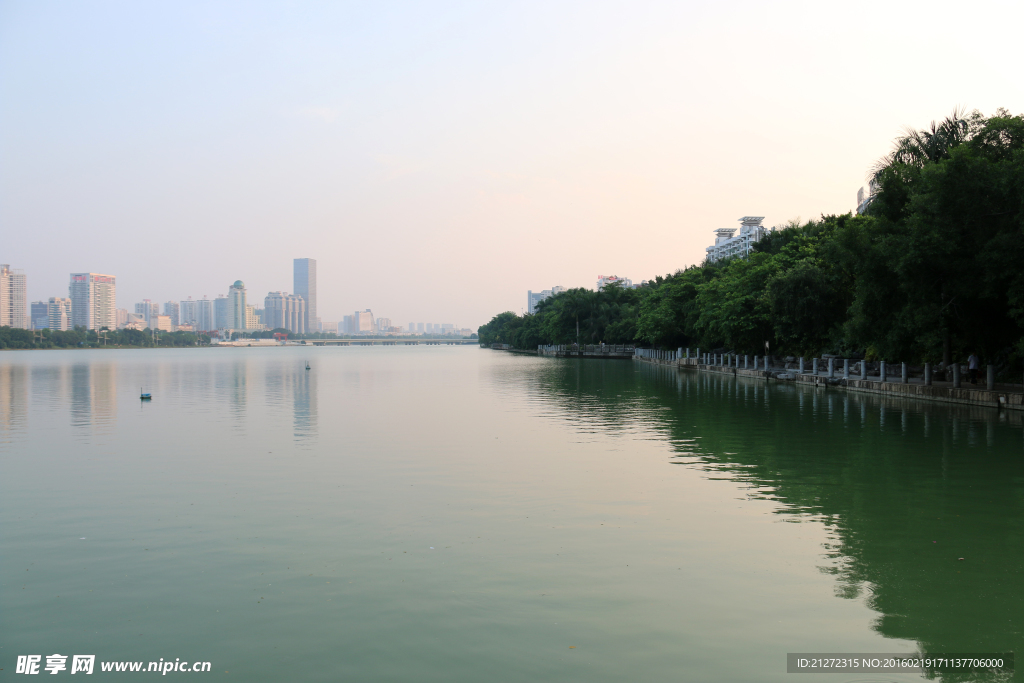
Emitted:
pixel 905 488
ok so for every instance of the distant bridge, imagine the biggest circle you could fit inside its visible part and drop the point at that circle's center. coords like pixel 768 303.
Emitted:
pixel 393 342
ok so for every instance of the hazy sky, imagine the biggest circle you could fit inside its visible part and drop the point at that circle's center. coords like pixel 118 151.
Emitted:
pixel 439 159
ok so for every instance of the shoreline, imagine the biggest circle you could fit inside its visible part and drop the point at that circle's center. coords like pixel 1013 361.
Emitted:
pixel 997 399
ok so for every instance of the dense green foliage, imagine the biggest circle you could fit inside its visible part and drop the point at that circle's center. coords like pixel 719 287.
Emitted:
pixel 933 270
pixel 574 315
pixel 14 338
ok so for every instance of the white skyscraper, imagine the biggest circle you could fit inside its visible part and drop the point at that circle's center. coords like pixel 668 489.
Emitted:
pixel 147 309
pixel 187 312
pixel 205 316
pixel 13 298
pixel 236 306
pixel 605 280
pixel 93 300
pixel 730 245
pixel 282 310
pixel 363 321
pixel 172 309
pixel 58 313
pixel 534 298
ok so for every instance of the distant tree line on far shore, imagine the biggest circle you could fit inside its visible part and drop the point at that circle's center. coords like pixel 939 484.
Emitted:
pixel 931 271
pixel 15 338
pixel 269 334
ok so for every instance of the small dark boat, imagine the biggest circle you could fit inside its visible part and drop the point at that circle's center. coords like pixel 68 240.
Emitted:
pixel 145 397
pixel 307 365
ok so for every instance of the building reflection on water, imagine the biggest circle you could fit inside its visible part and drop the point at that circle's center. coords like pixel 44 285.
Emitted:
pixel 275 385
pixel 93 394
pixel 13 400
pixel 305 403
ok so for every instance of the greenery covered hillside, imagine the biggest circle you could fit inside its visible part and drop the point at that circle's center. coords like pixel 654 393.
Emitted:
pixel 933 270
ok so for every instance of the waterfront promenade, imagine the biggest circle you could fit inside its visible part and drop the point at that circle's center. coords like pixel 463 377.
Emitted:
pixel 1000 396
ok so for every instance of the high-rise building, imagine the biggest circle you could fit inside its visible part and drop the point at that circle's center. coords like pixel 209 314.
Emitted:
pixel 363 321
pixel 187 312
pixel 534 298
pixel 419 328
pixel 305 286
pixel 383 325
pixel 729 245
pixel 412 328
pixel 605 280
pixel 93 300
pixel 39 318
pixel 160 322
pixel 252 320
pixel 285 311
pixel 122 317
pixel 58 313
pixel 14 310
pixel 348 325
pixel 147 309
pixel 206 318
pixel 220 312
pixel 173 309
pixel 236 306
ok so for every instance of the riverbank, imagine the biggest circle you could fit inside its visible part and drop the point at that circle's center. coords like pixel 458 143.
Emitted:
pixel 1001 397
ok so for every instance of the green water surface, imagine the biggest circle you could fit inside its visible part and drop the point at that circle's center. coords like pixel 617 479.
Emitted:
pixel 459 514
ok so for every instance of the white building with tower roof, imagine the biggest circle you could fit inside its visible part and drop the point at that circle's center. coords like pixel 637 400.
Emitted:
pixel 728 244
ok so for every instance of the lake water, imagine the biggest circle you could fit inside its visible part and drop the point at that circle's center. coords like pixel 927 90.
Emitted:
pixel 458 514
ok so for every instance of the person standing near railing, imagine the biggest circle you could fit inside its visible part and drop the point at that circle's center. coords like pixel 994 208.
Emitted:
pixel 972 367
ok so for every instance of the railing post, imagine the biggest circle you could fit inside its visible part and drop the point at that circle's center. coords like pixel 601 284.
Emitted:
pixel 927 374
pixel 904 377
pixel 801 365
pixel 846 368
pixel 831 368
pixel 956 375
pixel 746 361
pixel 864 368
pixel 814 367
pixel 881 371
pixel 990 378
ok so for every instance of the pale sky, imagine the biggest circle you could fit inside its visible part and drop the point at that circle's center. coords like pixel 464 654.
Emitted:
pixel 439 159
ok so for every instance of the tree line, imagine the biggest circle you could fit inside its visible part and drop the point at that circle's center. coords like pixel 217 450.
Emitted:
pixel 932 270
pixel 16 338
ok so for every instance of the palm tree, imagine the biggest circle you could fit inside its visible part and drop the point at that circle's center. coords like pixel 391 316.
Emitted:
pixel 918 147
